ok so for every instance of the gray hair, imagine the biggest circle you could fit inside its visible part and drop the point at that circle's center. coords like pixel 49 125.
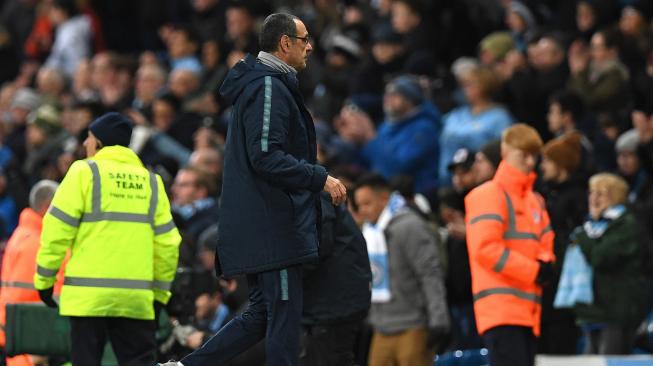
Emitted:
pixel 42 193
pixel 274 27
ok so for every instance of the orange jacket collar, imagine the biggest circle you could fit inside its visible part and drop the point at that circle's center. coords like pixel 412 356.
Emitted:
pixel 514 180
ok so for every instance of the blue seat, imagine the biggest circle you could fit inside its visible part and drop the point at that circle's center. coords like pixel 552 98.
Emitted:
pixel 469 357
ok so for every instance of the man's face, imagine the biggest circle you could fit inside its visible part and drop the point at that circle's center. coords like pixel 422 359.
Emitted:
pixel 35 136
pixel 555 117
pixel 483 168
pixel 162 115
pixel 519 159
pixel 299 47
pixel 239 22
pixel 370 203
pixel 205 305
pixel 148 82
pixel 180 45
pixel 395 106
pixel 549 55
pixel 403 18
pixel 384 52
pixel 627 163
pixel 184 189
pixel 91 145
pixel 599 51
pixel 463 178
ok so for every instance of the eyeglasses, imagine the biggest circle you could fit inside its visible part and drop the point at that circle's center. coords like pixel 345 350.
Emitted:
pixel 306 39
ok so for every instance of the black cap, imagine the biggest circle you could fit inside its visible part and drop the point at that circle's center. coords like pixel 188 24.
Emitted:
pixel 463 158
pixel 112 129
pixel 384 33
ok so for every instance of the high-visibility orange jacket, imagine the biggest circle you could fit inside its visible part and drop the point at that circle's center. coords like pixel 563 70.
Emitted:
pixel 18 267
pixel 508 231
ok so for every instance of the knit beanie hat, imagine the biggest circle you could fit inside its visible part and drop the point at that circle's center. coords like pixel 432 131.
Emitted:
pixel 112 129
pixel 627 141
pixel 564 151
pixel 47 118
pixel 26 98
pixel 524 12
pixel 407 87
pixel 498 44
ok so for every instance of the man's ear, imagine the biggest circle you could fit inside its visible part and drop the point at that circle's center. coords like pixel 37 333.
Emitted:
pixel 284 44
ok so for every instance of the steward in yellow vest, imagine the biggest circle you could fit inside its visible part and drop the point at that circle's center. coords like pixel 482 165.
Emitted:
pixel 114 216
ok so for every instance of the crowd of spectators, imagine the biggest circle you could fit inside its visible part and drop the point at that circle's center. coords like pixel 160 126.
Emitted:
pixel 416 91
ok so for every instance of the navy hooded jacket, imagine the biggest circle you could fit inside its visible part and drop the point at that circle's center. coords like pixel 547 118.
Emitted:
pixel 338 289
pixel 270 194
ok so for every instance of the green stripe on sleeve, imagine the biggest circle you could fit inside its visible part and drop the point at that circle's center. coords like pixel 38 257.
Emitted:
pixel 284 284
pixel 267 105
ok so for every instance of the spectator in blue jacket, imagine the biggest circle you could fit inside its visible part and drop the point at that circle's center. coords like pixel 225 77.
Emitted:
pixel 406 143
pixel 473 125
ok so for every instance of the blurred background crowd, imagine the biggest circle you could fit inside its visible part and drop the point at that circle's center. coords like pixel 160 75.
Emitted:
pixel 415 91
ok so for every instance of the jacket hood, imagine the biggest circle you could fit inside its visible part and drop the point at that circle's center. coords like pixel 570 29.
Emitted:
pixel 242 74
pixel 426 110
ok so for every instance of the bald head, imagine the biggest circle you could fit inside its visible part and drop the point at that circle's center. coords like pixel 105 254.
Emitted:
pixel 208 159
pixel 50 81
pixel 183 82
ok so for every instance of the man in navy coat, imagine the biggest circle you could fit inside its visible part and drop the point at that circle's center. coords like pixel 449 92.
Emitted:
pixel 270 197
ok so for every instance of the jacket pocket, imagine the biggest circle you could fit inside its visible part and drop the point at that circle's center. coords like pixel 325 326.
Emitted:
pixel 304 212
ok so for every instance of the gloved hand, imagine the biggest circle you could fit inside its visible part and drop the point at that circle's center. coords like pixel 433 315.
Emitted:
pixel 436 337
pixel 546 274
pixel 46 297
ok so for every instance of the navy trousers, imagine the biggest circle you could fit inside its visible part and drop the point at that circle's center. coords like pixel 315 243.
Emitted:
pixel 274 311
pixel 132 340
pixel 510 345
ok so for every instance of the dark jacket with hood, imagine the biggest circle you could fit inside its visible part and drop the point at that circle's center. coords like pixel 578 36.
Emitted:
pixel 269 208
pixel 338 289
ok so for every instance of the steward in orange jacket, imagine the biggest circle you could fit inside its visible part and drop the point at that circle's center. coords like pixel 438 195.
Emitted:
pixel 510 245
pixel 19 261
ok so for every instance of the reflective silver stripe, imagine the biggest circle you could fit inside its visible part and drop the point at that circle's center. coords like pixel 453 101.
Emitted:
pixel 97 187
pixel 17 284
pixel 507 291
pixel 161 229
pixel 108 282
pixel 154 198
pixel 512 232
pixel 67 219
pixel 483 217
pixel 116 216
pixel 162 285
pixel 502 260
pixel 45 272
pixel 546 230
pixel 520 236
pixel 267 105
pixel 97 214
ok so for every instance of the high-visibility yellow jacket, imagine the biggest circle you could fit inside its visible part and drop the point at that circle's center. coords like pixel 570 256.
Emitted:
pixel 508 231
pixel 114 216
